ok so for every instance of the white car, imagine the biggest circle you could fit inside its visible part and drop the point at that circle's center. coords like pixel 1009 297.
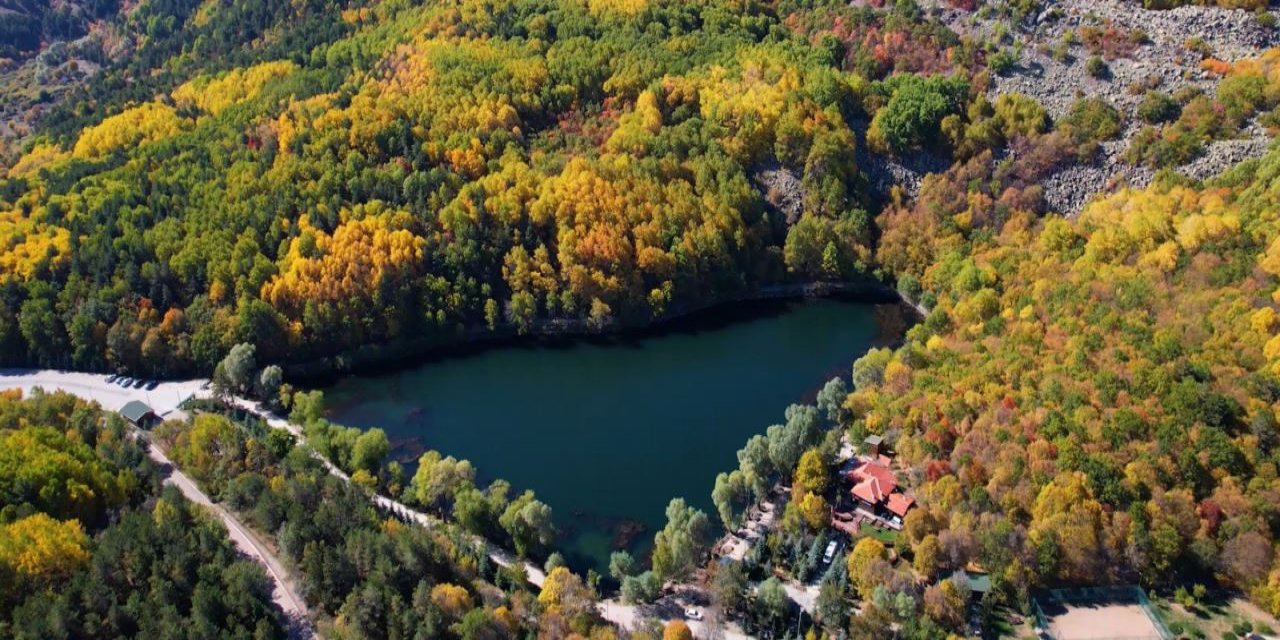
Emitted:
pixel 692 614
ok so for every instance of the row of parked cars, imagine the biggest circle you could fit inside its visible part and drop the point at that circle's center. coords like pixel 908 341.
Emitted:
pixel 136 383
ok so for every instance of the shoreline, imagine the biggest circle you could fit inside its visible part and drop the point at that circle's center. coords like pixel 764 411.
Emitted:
pixel 391 356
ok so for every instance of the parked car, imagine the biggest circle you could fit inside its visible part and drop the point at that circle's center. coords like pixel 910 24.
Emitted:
pixel 152 384
pixel 692 614
pixel 830 553
pixel 125 381
pixel 112 378
pixel 137 384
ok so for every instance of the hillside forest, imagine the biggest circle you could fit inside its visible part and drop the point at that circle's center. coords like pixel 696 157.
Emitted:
pixel 1088 398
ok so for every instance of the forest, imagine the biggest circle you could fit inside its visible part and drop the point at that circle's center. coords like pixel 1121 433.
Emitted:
pixel 1087 399
pixel 425 170
pixel 92 546
pixel 365 572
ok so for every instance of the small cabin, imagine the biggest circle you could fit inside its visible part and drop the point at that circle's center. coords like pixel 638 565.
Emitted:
pixel 872 445
pixel 138 414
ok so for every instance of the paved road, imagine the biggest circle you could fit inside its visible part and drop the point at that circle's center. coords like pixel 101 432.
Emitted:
pixel 167 397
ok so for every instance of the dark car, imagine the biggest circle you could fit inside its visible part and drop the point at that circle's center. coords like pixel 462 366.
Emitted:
pixel 124 381
pixel 152 384
pixel 112 378
pixel 137 384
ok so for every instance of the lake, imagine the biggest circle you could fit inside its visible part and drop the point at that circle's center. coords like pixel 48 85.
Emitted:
pixel 606 431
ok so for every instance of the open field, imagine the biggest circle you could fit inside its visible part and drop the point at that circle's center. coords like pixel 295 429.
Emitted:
pixel 1100 622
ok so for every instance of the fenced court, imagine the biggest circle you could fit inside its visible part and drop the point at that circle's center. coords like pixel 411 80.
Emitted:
pixel 1099 613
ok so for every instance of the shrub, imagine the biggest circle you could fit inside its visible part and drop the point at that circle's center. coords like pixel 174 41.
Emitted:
pixel 1158 107
pixel 1242 95
pixel 1001 61
pixel 1096 67
pixel 1093 120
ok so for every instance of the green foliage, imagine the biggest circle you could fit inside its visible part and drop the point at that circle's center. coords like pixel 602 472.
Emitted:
pixel 1158 108
pixel 372 175
pixel 89 547
pixel 914 111
pixel 1093 120
pixel 1097 67
pixel 679 546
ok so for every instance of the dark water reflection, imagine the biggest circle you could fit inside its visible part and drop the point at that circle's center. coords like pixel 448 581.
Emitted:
pixel 608 430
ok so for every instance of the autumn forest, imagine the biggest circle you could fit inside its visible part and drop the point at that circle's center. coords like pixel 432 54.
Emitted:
pixel 1089 397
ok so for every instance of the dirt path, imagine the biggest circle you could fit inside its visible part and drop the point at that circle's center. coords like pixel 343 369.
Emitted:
pixel 166 398
pixel 283 592
pixel 500 556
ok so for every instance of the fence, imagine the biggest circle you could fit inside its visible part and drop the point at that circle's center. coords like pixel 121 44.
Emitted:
pixel 1085 596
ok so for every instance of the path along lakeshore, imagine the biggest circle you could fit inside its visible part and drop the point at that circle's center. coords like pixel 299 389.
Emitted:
pixel 166 399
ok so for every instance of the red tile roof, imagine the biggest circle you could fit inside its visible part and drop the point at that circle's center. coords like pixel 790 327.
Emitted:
pixel 873 482
pixel 899 504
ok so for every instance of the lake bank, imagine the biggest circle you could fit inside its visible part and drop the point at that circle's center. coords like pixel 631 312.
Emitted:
pixel 384 357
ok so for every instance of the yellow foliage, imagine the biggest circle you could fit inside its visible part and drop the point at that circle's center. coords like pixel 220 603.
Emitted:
pixel 865 553
pixel 1270 261
pixel 452 600
pixel 638 126
pixel 815 511
pixel 677 630
pixel 1163 258
pixel 147 122
pixel 750 104
pixel 26 245
pixel 39 157
pixel 1263 320
pixel 349 265
pixel 935 343
pixel 40 550
pixel 1272 349
pixel 214 95
pixel 625 7
pixel 1196 230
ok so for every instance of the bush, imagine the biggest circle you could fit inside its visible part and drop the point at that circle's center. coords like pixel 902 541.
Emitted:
pixel 642 588
pixel 1001 61
pixel 1093 120
pixel 1097 67
pixel 1158 107
pixel 1173 149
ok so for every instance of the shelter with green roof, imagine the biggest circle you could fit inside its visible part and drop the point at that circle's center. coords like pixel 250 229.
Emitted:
pixel 138 414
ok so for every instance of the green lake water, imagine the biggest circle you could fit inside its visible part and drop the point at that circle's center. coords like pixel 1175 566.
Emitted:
pixel 607 431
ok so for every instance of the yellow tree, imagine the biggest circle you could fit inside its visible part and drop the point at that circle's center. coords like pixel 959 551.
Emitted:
pixel 865 555
pixel 452 600
pixel 927 556
pixel 811 474
pixel 677 630
pixel 38 552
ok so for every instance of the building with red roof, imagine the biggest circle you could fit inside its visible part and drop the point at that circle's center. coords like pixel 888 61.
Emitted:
pixel 875 486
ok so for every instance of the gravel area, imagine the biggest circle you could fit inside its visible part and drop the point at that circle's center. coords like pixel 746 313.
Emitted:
pixel 1164 61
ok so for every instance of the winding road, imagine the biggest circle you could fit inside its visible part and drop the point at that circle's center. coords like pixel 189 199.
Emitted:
pixel 166 399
